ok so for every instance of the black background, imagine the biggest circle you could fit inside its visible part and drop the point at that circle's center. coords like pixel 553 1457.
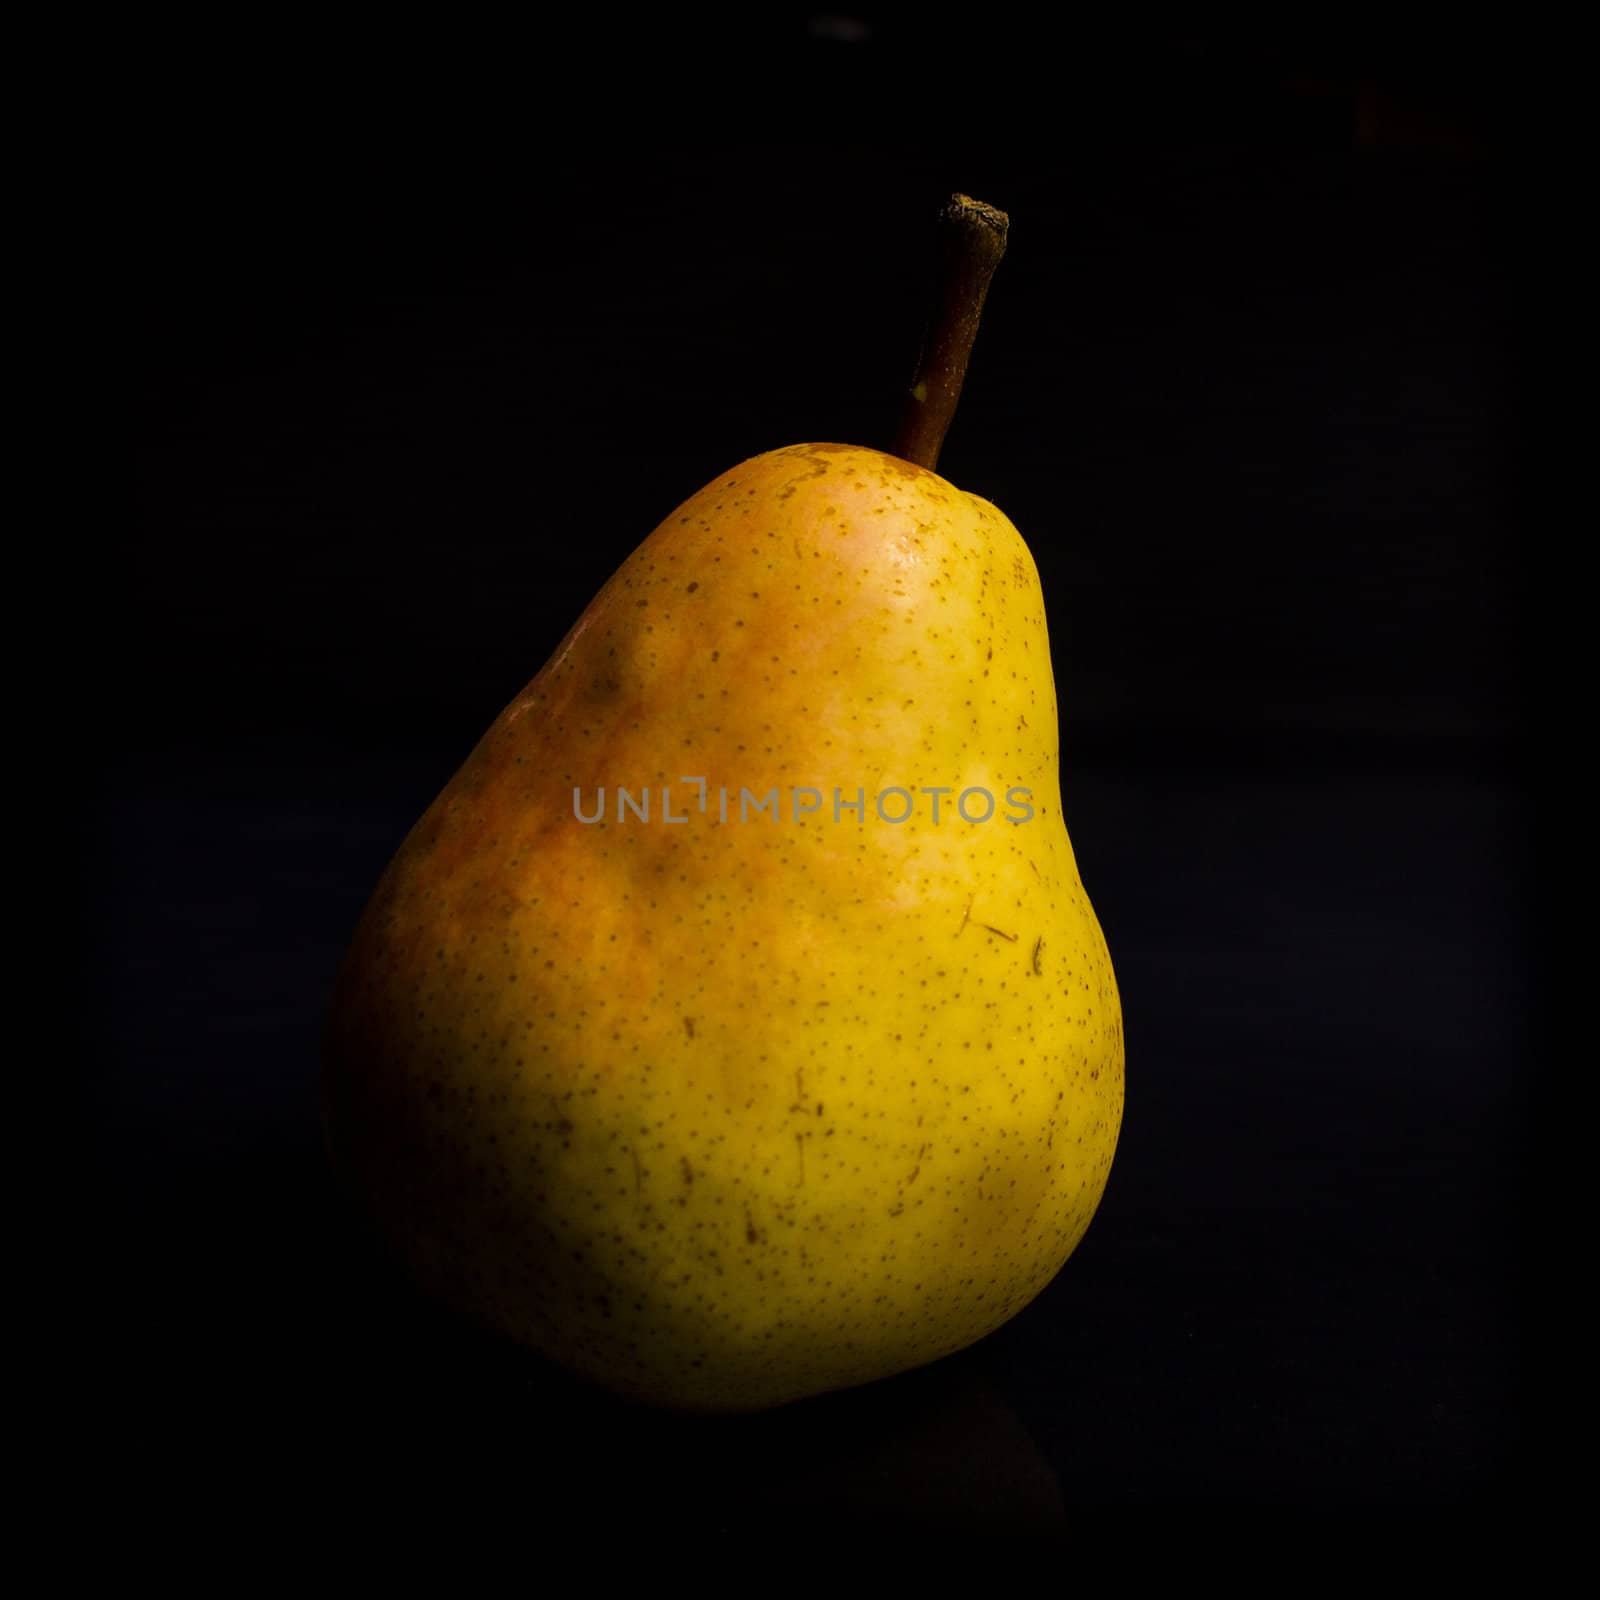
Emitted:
pixel 426 335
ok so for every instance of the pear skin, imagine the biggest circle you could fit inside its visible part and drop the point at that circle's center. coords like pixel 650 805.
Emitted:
pixel 717 1104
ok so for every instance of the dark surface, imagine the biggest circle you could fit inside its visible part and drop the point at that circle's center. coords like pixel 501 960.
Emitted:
pixel 417 368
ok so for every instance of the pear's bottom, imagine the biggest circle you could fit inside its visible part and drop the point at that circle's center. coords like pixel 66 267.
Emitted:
pixel 750 1334
pixel 678 1368
pixel 714 1252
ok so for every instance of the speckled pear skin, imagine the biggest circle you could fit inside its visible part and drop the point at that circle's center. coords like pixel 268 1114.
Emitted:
pixel 720 1115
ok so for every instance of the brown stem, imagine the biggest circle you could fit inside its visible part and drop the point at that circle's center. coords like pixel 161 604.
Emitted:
pixel 972 238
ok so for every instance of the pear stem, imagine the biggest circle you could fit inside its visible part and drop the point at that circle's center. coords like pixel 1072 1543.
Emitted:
pixel 972 239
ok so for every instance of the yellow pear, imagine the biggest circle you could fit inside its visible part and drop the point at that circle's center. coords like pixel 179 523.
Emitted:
pixel 734 1027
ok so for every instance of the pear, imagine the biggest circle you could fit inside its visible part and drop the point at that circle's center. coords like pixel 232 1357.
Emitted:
pixel 735 1026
